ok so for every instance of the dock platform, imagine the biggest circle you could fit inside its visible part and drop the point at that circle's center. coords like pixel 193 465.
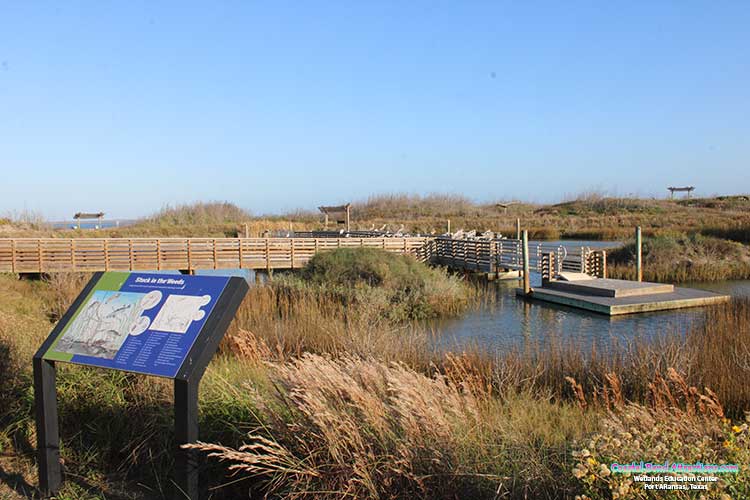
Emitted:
pixel 616 297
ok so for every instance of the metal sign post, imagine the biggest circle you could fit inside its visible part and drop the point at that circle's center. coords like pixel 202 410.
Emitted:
pixel 154 324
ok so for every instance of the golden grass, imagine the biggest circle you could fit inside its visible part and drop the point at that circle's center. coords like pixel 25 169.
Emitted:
pixel 588 216
pixel 314 399
pixel 361 428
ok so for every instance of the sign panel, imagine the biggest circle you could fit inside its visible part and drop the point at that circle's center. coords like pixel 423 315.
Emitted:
pixel 138 322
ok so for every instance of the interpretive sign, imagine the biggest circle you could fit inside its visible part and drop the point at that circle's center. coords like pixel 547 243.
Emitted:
pixel 154 324
pixel 138 322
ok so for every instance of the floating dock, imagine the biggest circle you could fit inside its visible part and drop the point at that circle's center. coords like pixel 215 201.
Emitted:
pixel 615 297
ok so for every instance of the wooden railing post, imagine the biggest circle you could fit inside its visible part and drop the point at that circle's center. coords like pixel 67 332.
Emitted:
pixel 13 256
pixel 239 241
pixel 548 267
pixel 638 255
pixel 268 256
pixel 216 263
pixel 189 258
pixel 39 253
pixel 525 255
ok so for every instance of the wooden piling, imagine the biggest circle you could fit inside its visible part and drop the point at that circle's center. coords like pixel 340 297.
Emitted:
pixel 518 229
pixel 638 255
pixel 525 250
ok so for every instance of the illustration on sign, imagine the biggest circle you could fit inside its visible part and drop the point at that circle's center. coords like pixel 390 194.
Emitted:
pixel 138 322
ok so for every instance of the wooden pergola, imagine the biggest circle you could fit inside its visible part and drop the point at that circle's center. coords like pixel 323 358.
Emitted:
pixel 89 216
pixel 686 189
pixel 340 211
pixel 505 206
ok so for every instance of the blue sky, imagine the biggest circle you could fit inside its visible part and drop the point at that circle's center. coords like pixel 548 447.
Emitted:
pixel 126 107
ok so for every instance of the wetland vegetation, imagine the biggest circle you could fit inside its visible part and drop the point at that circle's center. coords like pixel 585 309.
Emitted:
pixel 328 385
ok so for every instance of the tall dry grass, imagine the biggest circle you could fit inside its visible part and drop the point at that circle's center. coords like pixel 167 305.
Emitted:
pixel 333 401
pixel 291 324
pixel 362 428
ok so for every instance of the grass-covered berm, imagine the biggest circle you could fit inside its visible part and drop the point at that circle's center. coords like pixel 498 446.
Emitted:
pixel 588 216
pixel 680 257
pixel 319 392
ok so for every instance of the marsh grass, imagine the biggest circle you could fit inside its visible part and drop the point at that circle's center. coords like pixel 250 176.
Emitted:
pixel 201 214
pixel 675 258
pixel 361 428
pixel 585 216
pixel 338 401
pixel 737 233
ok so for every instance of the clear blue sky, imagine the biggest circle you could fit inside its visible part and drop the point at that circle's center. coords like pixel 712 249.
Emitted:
pixel 128 106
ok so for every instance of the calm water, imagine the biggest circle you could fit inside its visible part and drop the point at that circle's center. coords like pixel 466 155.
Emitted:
pixel 508 322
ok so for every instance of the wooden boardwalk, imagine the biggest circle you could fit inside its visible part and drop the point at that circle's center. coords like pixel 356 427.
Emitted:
pixel 47 255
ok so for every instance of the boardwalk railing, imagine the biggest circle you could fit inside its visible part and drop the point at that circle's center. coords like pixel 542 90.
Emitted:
pixel 43 255
pixel 490 256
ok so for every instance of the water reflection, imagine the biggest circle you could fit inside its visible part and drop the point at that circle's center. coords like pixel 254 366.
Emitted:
pixel 502 321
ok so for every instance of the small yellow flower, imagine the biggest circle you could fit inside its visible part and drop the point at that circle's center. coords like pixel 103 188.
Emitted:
pixel 591 461
pixel 727 444
pixel 736 429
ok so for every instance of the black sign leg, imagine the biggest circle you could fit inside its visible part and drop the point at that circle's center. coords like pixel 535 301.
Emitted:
pixel 186 431
pixel 47 435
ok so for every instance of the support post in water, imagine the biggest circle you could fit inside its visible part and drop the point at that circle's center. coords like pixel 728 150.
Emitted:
pixel 518 229
pixel 525 252
pixel 638 255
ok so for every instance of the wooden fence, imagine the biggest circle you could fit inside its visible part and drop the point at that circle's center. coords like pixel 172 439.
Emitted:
pixel 45 255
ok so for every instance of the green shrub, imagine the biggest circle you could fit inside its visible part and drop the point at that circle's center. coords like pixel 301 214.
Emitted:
pixel 398 286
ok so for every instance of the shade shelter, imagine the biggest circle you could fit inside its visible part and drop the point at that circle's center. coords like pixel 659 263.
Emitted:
pixel 341 213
